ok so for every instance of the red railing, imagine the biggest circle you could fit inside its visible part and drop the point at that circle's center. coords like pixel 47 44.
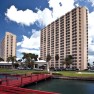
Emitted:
pixel 7 85
pixel 17 90
pixel 23 80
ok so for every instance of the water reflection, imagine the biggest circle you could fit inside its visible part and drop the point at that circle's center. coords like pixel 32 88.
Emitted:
pixel 65 86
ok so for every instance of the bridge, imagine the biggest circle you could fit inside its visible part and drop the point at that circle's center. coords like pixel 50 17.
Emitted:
pixel 12 83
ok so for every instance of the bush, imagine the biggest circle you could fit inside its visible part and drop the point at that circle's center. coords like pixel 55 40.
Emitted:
pixel 40 73
pixel 57 74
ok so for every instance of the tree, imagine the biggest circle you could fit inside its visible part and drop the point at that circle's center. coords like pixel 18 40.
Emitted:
pixel 29 59
pixel 30 64
pixel 68 60
pixel 16 65
pixel 56 57
pixel 1 59
pixel 20 60
pixel 40 58
pixel 26 57
pixel 12 59
pixel 48 58
pixel 88 65
pixel 35 57
pixel 8 59
pixel 93 63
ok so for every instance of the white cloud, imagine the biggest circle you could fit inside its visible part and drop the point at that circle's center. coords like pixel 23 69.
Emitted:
pixel 19 43
pixel 60 7
pixel 91 36
pixel 91 30
pixel 91 24
pixel 30 45
pixel 45 17
pixel 32 42
pixel 29 51
pixel 26 17
pixel 29 17
pixel 91 59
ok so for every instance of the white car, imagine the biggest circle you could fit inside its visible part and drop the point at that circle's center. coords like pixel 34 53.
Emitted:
pixel 20 68
pixel 38 69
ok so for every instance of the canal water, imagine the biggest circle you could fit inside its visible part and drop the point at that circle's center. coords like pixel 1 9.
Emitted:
pixel 64 86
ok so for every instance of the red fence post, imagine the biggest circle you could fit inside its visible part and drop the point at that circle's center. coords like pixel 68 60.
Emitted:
pixel 0 81
pixel 31 77
pixel 21 80
pixel 37 77
pixel 6 81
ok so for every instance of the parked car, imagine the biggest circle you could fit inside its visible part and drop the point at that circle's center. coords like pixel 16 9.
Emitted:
pixel 52 68
pixel 62 68
pixel 20 68
pixel 37 69
pixel 71 69
pixel 57 69
pixel 27 68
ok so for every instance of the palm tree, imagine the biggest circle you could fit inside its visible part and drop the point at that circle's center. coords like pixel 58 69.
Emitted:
pixel 8 59
pixel 48 58
pixel 12 59
pixel 1 59
pixel 88 65
pixel 68 60
pixel 27 58
pixel 56 58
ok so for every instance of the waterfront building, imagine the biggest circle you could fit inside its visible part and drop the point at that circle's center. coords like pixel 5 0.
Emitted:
pixel 8 46
pixel 68 35
pixel 5 64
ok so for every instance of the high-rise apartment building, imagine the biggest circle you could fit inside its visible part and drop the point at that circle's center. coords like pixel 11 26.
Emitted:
pixel 67 35
pixel 8 46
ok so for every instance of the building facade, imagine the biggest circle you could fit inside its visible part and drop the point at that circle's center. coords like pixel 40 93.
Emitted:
pixel 67 35
pixel 8 46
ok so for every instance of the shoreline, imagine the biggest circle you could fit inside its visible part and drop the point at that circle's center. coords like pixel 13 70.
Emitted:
pixel 73 78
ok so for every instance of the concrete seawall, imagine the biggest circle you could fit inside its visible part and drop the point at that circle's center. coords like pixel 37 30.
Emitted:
pixel 73 78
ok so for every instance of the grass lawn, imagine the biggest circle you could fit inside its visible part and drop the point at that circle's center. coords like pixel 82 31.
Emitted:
pixel 76 74
pixel 64 73
pixel 15 71
pixel 10 71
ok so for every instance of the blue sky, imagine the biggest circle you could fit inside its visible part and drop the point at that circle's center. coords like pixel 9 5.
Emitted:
pixel 25 19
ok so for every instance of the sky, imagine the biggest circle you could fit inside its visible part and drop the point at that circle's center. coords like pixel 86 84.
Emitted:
pixel 26 18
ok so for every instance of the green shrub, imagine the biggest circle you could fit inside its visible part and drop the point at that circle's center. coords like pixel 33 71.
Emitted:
pixel 57 74
pixel 40 72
